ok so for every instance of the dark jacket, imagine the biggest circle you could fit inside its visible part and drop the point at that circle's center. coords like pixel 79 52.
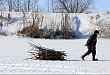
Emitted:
pixel 91 42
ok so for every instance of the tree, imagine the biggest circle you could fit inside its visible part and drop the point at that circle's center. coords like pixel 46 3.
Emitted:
pixel 18 5
pixel 2 7
pixel 73 6
pixel 52 3
pixel 50 6
pixel 29 5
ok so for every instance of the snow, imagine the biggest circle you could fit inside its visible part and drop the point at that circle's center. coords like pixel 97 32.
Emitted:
pixel 14 49
pixel 79 22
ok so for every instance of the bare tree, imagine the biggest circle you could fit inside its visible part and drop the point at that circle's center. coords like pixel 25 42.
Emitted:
pixel 73 6
pixel 10 5
pixel 28 5
pixel 50 5
pixel 2 5
pixel 17 5
pixel 53 6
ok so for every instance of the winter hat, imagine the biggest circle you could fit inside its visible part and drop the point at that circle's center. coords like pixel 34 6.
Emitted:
pixel 96 31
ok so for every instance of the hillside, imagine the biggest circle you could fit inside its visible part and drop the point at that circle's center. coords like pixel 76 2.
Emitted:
pixel 82 24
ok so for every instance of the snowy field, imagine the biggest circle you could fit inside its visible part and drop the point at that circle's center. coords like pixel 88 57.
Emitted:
pixel 14 50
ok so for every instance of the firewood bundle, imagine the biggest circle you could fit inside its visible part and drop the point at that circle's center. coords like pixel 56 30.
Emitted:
pixel 43 53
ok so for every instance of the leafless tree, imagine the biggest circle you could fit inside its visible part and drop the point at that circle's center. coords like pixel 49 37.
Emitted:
pixel 73 6
pixel 52 3
pixel 48 5
pixel 18 5
pixel 3 5
pixel 28 5
pixel 14 5
pixel 10 5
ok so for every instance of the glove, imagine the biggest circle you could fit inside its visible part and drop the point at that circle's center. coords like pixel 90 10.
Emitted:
pixel 85 45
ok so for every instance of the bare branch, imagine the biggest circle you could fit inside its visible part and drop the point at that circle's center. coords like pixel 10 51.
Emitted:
pixel 74 6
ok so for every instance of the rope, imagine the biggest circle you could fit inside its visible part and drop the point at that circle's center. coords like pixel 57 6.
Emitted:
pixel 71 51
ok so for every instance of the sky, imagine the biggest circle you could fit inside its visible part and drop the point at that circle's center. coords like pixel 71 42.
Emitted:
pixel 99 5
pixel 102 5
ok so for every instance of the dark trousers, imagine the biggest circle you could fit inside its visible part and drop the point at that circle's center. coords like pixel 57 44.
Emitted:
pixel 93 51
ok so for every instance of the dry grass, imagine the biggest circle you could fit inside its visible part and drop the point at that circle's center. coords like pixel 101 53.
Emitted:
pixel 1 25
pixel 35 30
pixel 66 29
pixel 1 17
pixel 9 19
pixel 104 28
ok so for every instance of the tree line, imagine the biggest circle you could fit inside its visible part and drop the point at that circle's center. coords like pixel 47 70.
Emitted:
pixel 18 5
pixel 62 6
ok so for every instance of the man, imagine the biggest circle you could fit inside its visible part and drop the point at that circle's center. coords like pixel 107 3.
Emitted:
pixel 91 45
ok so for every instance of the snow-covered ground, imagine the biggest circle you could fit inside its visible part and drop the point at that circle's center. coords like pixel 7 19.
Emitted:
pixel 14 49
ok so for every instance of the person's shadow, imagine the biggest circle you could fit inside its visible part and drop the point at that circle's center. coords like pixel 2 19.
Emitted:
pixel 86 60
pixel 77 27
pixel 103 60
pixel 72 60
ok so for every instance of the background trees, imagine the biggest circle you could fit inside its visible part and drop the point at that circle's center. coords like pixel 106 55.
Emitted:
pixel 68 6
pixel 73 6
pixel 18 5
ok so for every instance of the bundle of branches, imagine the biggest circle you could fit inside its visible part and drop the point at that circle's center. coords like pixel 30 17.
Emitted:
pixel 43 53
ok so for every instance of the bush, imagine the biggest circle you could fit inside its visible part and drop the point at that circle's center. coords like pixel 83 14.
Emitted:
pixel 35 31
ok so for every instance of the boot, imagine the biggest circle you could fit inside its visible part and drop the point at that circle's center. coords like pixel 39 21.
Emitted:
pixel 82 58
pixel 87 53
pixel 93 57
